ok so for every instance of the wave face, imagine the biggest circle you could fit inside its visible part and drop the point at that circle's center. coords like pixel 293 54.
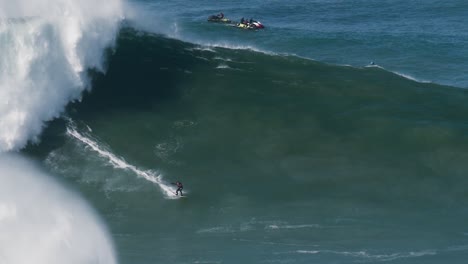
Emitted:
pixel 42 222
pixel 47 47
pixel 283 159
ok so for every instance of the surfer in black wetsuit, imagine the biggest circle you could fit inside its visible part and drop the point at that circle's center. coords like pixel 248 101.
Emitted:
pixel 179 188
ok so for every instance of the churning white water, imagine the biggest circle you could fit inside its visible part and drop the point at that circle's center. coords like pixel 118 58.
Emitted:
pixel 46 46
pixel 44 223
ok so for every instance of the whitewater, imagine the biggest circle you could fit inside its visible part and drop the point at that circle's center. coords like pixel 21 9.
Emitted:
pixel 47 48
pixel 43 222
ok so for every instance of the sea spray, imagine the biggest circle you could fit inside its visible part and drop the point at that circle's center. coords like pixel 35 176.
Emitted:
pixel 42 222
pixel 46 48
pixel 120 163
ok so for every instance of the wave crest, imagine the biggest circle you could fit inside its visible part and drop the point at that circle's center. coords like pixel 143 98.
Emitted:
pixel 46 47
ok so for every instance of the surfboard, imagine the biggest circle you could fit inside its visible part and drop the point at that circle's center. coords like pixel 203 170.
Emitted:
pixel 180 196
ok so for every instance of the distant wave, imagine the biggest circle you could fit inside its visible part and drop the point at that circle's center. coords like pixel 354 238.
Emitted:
pixel 372 257
pixel 293 226
pixel 256 225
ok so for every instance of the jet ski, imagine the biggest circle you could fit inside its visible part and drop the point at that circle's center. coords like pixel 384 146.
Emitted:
pixel 218 19
pixel 253 25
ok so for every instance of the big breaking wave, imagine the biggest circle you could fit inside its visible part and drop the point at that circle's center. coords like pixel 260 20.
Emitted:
pixel 47 46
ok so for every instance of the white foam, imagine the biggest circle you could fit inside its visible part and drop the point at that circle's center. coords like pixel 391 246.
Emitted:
pixel 409 77
pixel 293 226
pixel 152 20
pixel 41 222
pixel 223 66
pixel 373 257
pixel 120 163
pixel 308 251
pixel 406 76
pixel 231 46
pixel 46 47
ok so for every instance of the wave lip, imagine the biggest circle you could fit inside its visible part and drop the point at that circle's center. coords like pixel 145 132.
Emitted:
pixel 47 47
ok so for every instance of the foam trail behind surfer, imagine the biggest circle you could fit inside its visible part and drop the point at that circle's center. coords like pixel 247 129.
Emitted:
pixel 119 162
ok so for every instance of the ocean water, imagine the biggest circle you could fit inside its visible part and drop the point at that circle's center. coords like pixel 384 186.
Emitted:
pixel 337 134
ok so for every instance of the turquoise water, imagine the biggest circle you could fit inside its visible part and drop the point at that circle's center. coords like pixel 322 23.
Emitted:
pixel 291 147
